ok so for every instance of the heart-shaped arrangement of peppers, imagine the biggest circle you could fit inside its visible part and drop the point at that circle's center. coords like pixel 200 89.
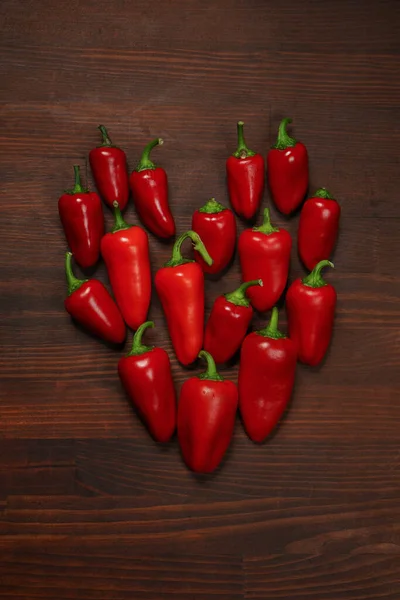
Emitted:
pixel 205 414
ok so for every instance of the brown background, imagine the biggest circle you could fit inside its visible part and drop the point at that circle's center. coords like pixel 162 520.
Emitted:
pixel 90 507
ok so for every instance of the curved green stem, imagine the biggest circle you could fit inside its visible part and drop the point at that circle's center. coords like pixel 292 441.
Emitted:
pixel 211 372
pixel 284 140
pixel 238 297
pixel 266 226
pixel 137 346
pixel 314 279
pixel 211 207
pixel 73 282
pixel 323 193
pixel 145 162
pixel 119 221
pixel 77 189
pixel 242 151
pixel 178 259
pixel 271 330
pixel 106 141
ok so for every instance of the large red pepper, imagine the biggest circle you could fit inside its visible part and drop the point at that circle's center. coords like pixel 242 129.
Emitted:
pixel 110 171
pixel 149 185
pixel 264 253
pixel 228 323
pixel 216 226
pixel 287 167
pixel 206 418
pixel 318 228
pixel 245 171
pixel 310 307
pixel 126 253
pixel 266 378
pixel 82 218
pixel 180 286
pixel 90 304
pixel 146 376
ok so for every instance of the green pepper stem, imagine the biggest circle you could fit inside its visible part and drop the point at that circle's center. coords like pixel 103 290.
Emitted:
pixel 314 279
pixel 211 207
pixel 271 330
pixel 145 162
pixel 137 346
pixel 211 372
pixel 77 189
pixel 73 282
pixel 284 140
pixel 106 141
pixel 323 193
pixel 266 226
pixel 178 259
pixel 238 296
pixel 242 151
pixel 119 221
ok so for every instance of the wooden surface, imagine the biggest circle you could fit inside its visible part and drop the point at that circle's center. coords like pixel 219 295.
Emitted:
pixel 90 507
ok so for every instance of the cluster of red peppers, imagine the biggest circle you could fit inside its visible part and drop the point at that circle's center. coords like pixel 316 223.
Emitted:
pixel 205 414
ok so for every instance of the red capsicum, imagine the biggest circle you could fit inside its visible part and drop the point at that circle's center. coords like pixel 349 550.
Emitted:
pixel 245 171
pixel 110 171
pixel 216 226
pixel 90 304
pixel 287 167
pixel 126 253
pixel 206 418
pixel 180 287
pixel 310 307
pixel 145 373
pixel 266 378
pixel 228 323
pixel 264 254
pixel 82 218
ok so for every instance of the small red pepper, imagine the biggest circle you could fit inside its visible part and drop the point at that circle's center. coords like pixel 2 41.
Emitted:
pixel 228 323
pixel 145 373
pixel 287 167
pixel 206 418
pixel 90 304
pixel 82 218
pixel 126 253
pixel 310 307
pixel 245 171
pixel 149 185
pixel 318 228
pixel 264 253
pixel 110 171
pixel 266 378
pixel 180 286
pixel 216 226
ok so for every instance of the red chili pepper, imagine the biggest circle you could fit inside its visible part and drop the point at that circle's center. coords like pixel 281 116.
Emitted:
pixel 90 304
pixel 149 185
pixel 264 253
pixel 82 218
pixel 180 286
pixel 216 226
pixel 266 378
pixel 145 373
pixel 246 178
pixel 110 171
pixel 206 418
pixel 310 307
pixel 318 228
pixel 228 323
pixel 287 167
pixel 126 253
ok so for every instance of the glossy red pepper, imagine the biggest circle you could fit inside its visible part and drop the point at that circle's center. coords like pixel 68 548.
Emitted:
pixel 110 171
pixel 228 323
pixel 245 172
pixel 206 418
pixel 310 307
pixel 264 253
pixel 318 228
pixel 149 185
pixel 145 373
pixel 287 167
pixel 126 253
pixel 266 378
pixel 82 218
pixel 90 304
pixel 180 286
pixel 216 226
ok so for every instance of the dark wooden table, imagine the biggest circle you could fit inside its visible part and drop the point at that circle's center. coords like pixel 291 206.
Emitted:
pixel 90 507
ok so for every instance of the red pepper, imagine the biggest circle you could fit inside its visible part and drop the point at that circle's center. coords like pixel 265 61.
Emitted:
pixel 318 228
pixel 266 378
pixel 310 307
pixel 149 185
pixel 146 376
pixel 216 226
pixel 206 418
pixel 82 218
pixel 90 304
pixel 228 323
pixel 246 178
pixel 287 167
pixel 264 253
pixel 126 253
pixel 180 286
pixel 110 171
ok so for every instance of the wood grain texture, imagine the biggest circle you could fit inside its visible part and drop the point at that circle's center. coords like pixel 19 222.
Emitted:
pixel 90 507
